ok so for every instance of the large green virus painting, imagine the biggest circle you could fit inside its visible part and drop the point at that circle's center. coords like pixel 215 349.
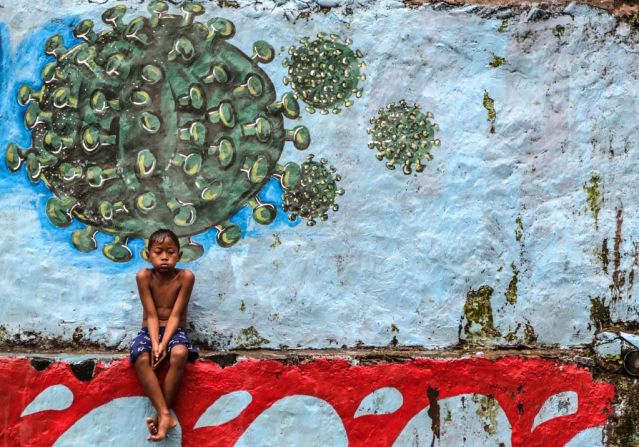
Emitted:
pixel 160 122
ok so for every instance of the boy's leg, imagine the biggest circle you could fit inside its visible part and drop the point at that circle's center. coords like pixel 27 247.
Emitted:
pixel 177 361
pixel 151 385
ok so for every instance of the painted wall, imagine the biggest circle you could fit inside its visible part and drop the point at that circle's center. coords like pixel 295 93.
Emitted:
pixel 522 220
pixel 475 402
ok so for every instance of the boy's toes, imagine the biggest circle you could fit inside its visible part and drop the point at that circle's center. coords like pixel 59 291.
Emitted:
pixel 152 425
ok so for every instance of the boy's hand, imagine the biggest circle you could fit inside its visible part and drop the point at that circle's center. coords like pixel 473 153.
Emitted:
pixel 158 354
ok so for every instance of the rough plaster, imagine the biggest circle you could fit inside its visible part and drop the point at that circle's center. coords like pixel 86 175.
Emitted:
pixel 397 262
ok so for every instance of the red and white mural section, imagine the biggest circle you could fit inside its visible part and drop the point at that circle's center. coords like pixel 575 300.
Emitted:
pixel 511 401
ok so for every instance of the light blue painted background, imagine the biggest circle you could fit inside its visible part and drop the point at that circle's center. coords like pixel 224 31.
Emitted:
pixel 401 251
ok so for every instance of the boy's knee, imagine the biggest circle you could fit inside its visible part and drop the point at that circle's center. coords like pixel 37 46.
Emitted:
pixel 143 358
pixel 179 354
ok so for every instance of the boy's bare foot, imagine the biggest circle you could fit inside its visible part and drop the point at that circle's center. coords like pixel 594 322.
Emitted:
pixel 165 423
pixel 152 425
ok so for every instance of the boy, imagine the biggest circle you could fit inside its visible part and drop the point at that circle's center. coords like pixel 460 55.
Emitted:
pixel 164 293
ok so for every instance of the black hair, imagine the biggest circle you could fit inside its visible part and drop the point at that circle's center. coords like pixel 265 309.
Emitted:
pixel 161 234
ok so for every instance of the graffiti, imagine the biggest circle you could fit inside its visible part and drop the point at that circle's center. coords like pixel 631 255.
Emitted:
pixel 517 401
pixel 403 135
pixel 325 72
pixel 160 122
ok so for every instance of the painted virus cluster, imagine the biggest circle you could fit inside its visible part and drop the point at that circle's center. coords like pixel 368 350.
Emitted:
pixel 160 122
pixel 403 135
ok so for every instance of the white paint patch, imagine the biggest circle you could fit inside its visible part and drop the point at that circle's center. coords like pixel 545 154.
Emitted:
pixel 465 420
pixel 55 397
pixel 224 409
pixel 296 421
pixel 120 422
pixel 560 404
pixel 591 437
pixel 385 400
pixel 607 344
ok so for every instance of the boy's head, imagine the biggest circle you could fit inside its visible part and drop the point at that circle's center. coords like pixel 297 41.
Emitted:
pixel 163 250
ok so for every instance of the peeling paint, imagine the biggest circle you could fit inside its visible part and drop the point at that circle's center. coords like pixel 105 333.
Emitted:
pixel 599 314
pixel 497 61
pixel 249 338
pixel 594 196
pixel 487 411
pixel 478 316
pixel 558 31
pixel 519 228
pixel 489 105
pixel 511 291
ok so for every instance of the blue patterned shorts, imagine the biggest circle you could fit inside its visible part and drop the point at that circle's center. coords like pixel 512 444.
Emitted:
pixel 142 343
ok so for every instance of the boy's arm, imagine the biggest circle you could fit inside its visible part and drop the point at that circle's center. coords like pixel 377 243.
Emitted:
pixel 181 302
pixel 152 321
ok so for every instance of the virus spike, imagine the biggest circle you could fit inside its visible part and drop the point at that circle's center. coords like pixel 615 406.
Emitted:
pixel 263 213
pixel 63 98
pixel 146 202
pixel 140 98
pixel 260 129
pixel 145 164
pixel 194 99
pixel 191 163
pixel 15 155
pixel 118 66
pixel 217 74
pixel 108 209
pixel 118 250
pixel 190 250
pixel 84 31
pixel 26 94
pixel 59 210
pixel 86 56
pixel 253 87
pixel 96 176
pixel 224 114
pixel 150 122
pixel 55 47
pixel 159 10
pixel 35 116
pixel 182 47
pixel 115 17
pixel 287 106
pixel 263 52
pixel 219 27
pixel 70 172
pixel 225 151
pixel 209 190
pixel 256 170
pixel 93 138
pixel 84 240
pixel 300 137
pixel 100 104
pixel 194 132
pixel 191 10
pixel 228 234
pixel 152 74
pixel 184 213
pixel 289 175
pixel 135 32
pixel 36 163
pixel 51 72
pixel 54 143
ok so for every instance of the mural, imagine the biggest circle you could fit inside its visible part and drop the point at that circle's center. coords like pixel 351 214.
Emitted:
pixel 159 122
pixel 510 402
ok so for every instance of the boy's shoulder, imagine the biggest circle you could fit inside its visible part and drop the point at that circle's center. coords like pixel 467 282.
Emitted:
pixel 187 275
pixel 144 273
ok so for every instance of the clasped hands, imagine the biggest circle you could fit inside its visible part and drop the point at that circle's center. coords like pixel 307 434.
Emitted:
pixel 158 353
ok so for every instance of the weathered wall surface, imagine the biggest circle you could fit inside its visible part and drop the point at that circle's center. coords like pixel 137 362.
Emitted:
pixel 509 223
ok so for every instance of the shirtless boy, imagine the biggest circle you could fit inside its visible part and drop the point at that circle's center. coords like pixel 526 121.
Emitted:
pixel 164 292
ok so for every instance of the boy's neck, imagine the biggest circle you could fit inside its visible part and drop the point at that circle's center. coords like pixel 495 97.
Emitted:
pixel 168 274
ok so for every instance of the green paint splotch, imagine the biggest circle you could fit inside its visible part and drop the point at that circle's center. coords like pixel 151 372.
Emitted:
pixel 497 61
pixel 511 291
pixel 249 338
pixel 594 196
pixel 477 320
pixel 489 105
pixel 488 410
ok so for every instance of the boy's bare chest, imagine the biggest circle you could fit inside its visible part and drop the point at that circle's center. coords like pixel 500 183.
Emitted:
pixel 164 292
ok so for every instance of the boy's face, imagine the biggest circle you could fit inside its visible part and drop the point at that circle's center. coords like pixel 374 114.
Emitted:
pixel 164 255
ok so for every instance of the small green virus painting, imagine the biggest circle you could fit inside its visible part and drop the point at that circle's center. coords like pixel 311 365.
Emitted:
pixel 403 135
pixel 325 73
pixel 160 122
